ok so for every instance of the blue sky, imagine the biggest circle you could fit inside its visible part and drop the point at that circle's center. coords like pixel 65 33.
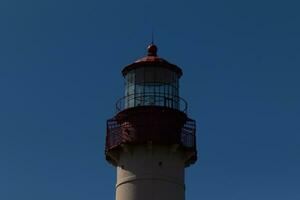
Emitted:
pixel 60 64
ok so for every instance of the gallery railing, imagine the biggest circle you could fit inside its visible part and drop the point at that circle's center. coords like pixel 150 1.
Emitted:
pixel 118 134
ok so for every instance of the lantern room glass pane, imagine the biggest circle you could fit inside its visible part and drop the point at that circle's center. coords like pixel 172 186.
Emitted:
pixel 151 86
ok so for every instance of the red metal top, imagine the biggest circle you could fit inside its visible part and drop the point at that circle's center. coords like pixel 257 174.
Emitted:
pixel 152 59
pixel 145 118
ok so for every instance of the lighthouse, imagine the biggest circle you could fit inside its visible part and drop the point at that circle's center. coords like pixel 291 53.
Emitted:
pixel 151 140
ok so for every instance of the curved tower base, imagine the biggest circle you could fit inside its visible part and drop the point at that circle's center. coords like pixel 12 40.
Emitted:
pixel 150 173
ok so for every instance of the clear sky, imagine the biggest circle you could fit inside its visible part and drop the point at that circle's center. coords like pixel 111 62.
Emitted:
pixel 60 63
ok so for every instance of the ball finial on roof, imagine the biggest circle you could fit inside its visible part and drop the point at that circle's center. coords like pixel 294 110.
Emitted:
pixel 152 50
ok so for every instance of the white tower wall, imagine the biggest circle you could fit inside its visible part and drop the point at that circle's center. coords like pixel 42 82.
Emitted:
pixel 150 173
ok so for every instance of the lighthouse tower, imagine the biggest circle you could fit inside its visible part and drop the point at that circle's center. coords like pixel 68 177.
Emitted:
pixel 151 139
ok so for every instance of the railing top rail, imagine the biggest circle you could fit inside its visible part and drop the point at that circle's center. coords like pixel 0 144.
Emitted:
pixel 151 99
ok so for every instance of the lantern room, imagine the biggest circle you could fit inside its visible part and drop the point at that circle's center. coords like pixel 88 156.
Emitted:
pixel 152 81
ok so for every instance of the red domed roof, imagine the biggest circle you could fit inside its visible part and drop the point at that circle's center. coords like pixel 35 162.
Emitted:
pixel 152 55
pixel 152 59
